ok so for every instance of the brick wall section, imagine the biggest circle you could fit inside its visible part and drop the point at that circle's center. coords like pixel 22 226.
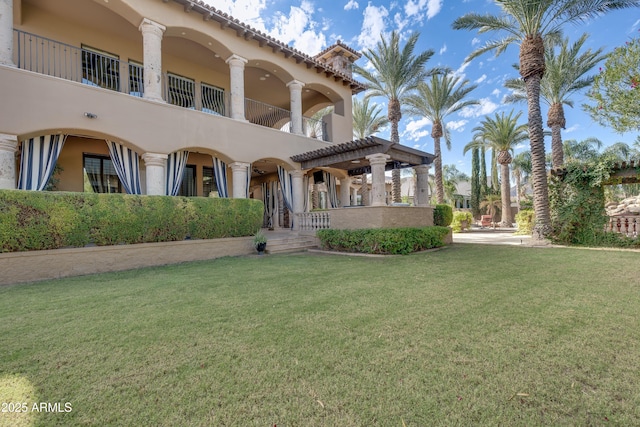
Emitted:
pixel 18 267
pixel 381 217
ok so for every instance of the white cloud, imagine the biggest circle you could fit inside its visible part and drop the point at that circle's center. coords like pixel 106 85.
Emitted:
pixel 481 79
pixel 443 49
pixel 351 5
pixel 571 128
pixel 460 71
pixel 373 26
pixel 496 92
pixel 298 29
pixel 475 41
pixel 416 7
pixel 457 125
pixel 247 11
pixel 415 129
pixel 485 107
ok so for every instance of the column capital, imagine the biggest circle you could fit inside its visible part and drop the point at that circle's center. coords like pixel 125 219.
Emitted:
pixel 422 168
pixel 295 84
pixel 8 142
pixel 239 165
pixel 378 158
pixel 149 26
pixel 297 173
pixel 236 60
pixel 154 159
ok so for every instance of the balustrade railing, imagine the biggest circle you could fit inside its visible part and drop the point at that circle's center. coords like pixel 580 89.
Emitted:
pixel 627 225
pixel 311 221
pixel 95 68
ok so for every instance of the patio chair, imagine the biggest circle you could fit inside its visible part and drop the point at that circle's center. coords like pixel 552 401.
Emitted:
pixel 486 221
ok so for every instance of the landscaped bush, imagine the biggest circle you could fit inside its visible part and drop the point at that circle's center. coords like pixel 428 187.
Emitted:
pixel 383 240
pixel 461 218
pixel 32 220
pixel 442 215
pixel 524 221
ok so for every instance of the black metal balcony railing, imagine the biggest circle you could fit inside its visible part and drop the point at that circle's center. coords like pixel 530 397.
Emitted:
pixel 45 56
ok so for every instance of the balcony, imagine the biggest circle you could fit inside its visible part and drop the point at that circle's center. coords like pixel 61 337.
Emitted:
pixel 100 69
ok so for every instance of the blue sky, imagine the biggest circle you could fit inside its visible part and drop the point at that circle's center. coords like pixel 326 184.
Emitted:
pixel 312 25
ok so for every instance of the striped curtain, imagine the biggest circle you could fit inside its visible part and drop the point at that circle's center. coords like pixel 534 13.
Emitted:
pixel 305 193
pixel 39 157
pixel 286 187
pixel 220 172
pixel 248 181
pixel 175 171
pixel 270 199
pixel 125 161
pixel 332 193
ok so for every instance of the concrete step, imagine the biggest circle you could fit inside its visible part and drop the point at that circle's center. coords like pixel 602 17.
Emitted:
pixel 291 244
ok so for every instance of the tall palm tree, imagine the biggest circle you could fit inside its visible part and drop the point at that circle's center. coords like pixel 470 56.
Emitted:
pixel 396 72
pixel 442 95
pixel 585 150
pixel 529 23
pixel 366 118
pixel 565 75
pixel 520 170
pixel 502 133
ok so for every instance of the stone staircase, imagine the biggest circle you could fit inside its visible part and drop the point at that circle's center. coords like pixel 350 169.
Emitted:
pixel 291 242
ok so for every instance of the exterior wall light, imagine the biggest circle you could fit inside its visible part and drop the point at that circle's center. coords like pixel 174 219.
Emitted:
pixel 91 115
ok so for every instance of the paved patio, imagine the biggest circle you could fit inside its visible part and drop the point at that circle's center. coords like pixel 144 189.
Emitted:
pixel 490 236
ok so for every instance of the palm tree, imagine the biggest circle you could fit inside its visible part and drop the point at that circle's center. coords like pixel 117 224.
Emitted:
pixel 492 204
pixel 582 151
pixel 520 170
pixel 396 72
pixel 443 95
pixel 366 118
pixel 563 77
pixel 502 134
pixel 529 23
pixel 452 177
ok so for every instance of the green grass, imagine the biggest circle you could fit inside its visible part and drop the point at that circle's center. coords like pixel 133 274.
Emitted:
pixel 468 335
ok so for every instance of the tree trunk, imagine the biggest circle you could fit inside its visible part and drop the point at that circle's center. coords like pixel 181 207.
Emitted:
pixel 542 227
pixel 556 121
pixel 475 182
pixel 437 165
pixel 395 115
pixel 532 69
pixel 507 217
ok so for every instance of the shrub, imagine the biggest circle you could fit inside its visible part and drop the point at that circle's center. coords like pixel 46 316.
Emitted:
pixel 34 220
pixel 442 215
pixel 398 241
pixel 458 218
pixel 524 221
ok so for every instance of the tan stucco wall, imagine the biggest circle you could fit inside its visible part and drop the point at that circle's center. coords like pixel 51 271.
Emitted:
pixel 31 266
pixel 381 217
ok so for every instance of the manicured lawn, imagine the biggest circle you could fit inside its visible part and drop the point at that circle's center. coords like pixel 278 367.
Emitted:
pixel 468 335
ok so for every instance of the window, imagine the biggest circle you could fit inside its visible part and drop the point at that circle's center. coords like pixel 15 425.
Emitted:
pixel 100 175
pixel 181 91
pixel 100 68
pixel 208 181
pixel 188 186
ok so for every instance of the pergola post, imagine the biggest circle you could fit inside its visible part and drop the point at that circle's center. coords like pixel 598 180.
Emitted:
pixel 378 162
pixel 421 197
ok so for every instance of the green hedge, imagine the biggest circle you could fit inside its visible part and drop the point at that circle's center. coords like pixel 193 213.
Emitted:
pixel 524 221
pixel 383 240
pixel 442 215
pixel 458 218
pixel 34 220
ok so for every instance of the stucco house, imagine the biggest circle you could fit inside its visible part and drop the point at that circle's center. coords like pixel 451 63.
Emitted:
pixel 174 97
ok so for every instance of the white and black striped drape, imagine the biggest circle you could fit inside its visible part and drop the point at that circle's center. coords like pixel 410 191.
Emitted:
pixel 39 157
pixel 270 200
pixel 220 172
pixel 126 163
pixel 286 187
pixel 247 192
pixel 175 171
pixel 305 193
pixel 332 193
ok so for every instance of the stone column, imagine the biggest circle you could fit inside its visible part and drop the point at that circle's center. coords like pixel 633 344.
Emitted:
pixel 345 191
pixel 239 171
pixel 8 148
pixel 354 197
pixel 421 196
pixel 377 162
pixel 152 55
pixel 6 33
pixel 236 71
pixel 156 175
pixel 298 196
pixel 295 91
pixel 364 190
